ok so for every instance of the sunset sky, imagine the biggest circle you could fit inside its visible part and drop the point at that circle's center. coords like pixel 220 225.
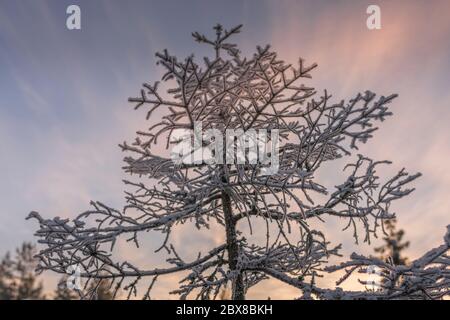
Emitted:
pixel 64 109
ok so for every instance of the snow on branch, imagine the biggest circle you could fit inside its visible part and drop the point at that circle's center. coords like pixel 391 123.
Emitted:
pixel 228 91
pixel 427 277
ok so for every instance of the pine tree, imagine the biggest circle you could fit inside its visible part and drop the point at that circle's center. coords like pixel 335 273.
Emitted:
pixel 6 276
pixel 62 292
pixel 100 290
pixel 18 280
pixel 93 290
pixel 393 247
pixel 274 197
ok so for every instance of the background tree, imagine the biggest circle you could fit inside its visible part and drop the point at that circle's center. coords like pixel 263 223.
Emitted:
pixel 394 245
pixel 62 292
pixel 261 93
pixel 100 290
pixel 18 280
pixel 6 266
pixel 94 290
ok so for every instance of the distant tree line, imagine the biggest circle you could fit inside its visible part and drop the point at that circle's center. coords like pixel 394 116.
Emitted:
pixel 19 281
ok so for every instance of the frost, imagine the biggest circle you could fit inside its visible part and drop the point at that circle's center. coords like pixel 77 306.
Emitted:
pixel 224 91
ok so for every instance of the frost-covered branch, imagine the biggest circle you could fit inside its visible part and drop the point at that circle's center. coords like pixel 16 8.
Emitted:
pixel 427 277
pixel 229 91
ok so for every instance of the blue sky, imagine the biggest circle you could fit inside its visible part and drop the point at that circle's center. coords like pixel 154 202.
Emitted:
pixel 63 94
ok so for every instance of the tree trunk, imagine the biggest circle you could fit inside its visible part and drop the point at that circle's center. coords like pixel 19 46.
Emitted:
pixel 238 290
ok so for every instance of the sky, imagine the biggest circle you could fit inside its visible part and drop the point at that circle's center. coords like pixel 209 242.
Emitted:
pixel 63 97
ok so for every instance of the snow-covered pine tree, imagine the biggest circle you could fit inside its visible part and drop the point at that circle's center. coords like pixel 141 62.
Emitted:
pixel 262 92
